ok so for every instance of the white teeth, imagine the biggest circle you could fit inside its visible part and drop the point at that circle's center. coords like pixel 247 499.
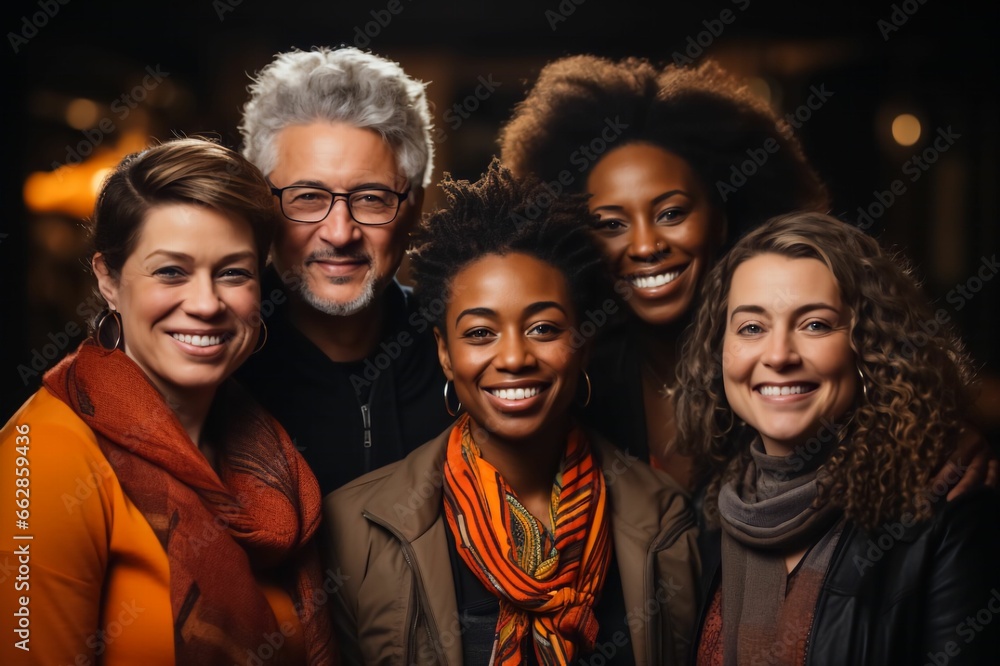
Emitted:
pixel 199 340
pixel 515 394
pixel 783 390
pixel 648 282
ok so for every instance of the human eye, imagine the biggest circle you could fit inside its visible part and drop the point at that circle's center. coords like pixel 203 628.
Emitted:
pixel 373 199
pixel 607 224
pixel 818 326
pixel 306 197
pixel 236 275
pixel 169 273
pixel 672 215
pixel 750 329
pixel 479 334
pixel 545 330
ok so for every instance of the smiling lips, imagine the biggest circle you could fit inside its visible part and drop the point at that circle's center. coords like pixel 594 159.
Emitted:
pixel 773 390
pixel 201 340
pixel 656 280
pixel 515 393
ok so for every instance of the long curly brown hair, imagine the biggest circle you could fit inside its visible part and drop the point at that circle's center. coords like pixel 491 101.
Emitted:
pixel 903 424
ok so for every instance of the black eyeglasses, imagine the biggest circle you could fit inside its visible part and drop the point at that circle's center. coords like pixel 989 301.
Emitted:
pixel 371 206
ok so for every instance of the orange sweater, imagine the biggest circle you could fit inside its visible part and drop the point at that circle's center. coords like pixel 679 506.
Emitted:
pixel 88 583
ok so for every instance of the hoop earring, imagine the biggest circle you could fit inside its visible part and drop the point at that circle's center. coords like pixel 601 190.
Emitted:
pixel 260 343
pixel 99 333
pixel 447 403
pixel 586 377
pixel 864 384
pixel 732 422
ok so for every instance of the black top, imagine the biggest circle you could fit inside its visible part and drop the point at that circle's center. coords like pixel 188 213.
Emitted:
pixel 479 608
pixel 616 408
pixel 349 418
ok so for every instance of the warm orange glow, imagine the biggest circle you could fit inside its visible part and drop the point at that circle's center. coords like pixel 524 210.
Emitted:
pixel 81 113
pixel 906 129
pixel 72 188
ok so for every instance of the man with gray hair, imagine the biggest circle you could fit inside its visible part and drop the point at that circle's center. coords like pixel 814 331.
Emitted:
pixel 350 366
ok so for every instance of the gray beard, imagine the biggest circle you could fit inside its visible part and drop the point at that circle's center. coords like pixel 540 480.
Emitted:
pixel 337 308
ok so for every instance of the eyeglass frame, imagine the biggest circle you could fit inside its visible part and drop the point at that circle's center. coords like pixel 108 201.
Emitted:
pixel 277 191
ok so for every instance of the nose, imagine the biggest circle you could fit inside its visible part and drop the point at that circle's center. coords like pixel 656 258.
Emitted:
pixel 780 350
pixel 645 243
pixel 513 353
pixel 203 300
pixel 338 227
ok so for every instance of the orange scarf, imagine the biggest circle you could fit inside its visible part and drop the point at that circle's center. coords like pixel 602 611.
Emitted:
pixel 257 514
pixel 548 583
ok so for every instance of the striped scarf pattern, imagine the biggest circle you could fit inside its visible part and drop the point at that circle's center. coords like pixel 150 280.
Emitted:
pixel 547 582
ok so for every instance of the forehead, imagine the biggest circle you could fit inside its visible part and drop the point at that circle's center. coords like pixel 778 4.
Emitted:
pixel 641 169
pixel 192 229
pixel 776 283
pixel 508 284
pixel 336 155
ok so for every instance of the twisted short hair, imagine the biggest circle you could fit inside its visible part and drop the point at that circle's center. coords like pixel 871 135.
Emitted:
pixel 898 432
pixel 345 85
pixel 701 114
pixel 186 170
pixel 500 214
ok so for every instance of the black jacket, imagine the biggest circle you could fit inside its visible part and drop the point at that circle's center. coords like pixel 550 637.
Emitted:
pixel 350 418
pixel 925 593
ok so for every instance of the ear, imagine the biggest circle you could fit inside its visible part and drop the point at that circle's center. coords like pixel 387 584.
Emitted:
pixel 443 356
pixel 107 284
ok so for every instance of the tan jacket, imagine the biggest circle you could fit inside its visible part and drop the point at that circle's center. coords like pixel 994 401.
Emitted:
pixel 386 535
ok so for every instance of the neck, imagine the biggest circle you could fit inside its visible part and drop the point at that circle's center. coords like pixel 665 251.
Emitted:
pixel 192 410
pixel 529 467
pixel 659 347
pixel 342 338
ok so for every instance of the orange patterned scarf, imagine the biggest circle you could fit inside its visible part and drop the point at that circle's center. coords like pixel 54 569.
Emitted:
pixel 548 583
pixel 256 516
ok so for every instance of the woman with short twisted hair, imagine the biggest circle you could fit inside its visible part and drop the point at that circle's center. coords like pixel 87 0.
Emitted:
pixel 516 536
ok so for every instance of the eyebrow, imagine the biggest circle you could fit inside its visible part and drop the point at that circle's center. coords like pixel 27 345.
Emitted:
pixel 655 201
pixel 534 308
pixel 182 256
pixel 363 186
pixel 759 310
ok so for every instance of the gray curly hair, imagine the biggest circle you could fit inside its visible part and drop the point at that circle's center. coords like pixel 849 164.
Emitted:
pixel 339 85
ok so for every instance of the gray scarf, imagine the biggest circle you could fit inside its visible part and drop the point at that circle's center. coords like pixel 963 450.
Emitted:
pixel 767 515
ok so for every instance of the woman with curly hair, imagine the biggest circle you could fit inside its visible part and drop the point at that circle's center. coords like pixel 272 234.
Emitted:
pixel 821 403
pixel 516 536
pixel 679 162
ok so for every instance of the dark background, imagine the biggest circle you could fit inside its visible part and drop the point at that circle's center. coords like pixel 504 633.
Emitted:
pixel 938 65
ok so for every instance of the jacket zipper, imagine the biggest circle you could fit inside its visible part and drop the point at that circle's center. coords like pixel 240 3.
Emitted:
pixel 410 562
pixel 366 421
